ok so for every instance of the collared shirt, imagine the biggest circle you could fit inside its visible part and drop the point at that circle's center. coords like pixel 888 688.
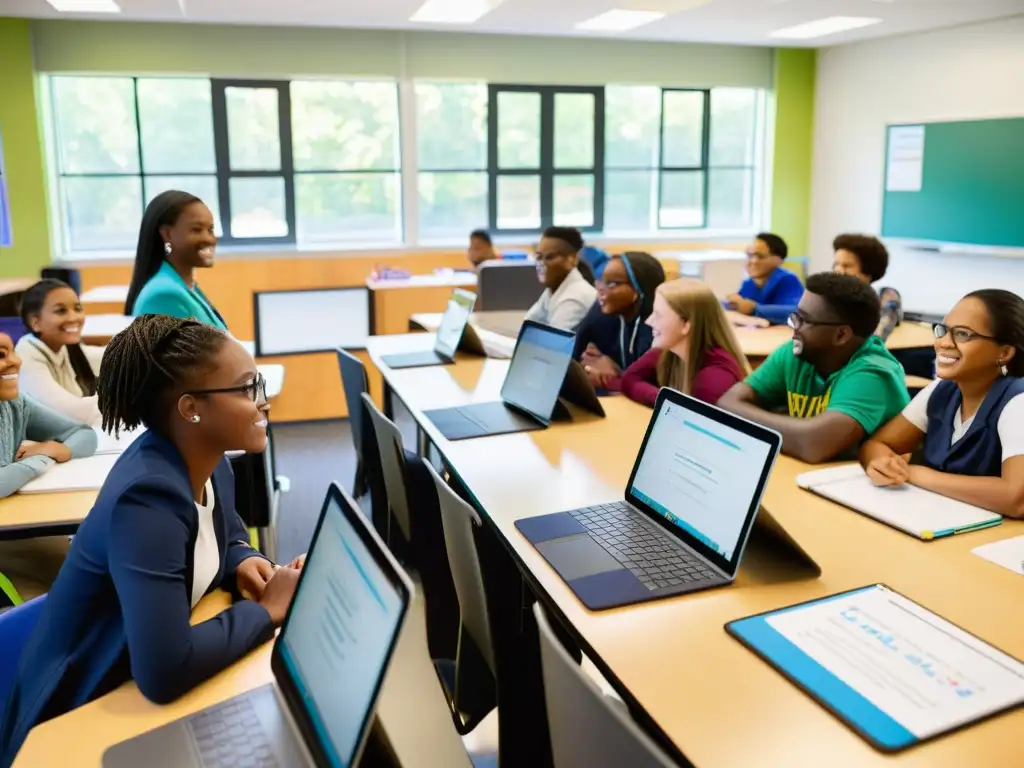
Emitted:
pixel 565 307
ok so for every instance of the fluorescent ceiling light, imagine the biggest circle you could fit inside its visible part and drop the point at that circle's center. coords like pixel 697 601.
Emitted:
pixel 453 11
pixel 822 27
pixel 85 6
pixel 619 20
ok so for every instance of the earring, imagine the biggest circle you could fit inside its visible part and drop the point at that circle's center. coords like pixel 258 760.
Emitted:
pixel 167 249
pixel 195 418
pixel 1003 370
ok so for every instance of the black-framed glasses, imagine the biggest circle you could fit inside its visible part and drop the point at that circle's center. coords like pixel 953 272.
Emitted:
pixel 796 321
pixel 961 334
pixel 256 389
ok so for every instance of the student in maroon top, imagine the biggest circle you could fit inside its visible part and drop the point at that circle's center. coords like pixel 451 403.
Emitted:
pixel 694 349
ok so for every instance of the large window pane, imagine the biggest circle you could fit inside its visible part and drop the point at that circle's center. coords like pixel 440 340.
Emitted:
pixel 632 126
pixel 518 202
pixel 452 204
pixel 574 130
pixel 730 198
pixel 257 207
pixel 254 137
pixel 684 128
pixel 95 119
pixel 451 126
pixel 102 213
pixel 518 130
pixel 574 200
pixel 176 119
pixel 630 198
pixel 344 126
pixel 682 199
pixel 203 187
pixel 733 126
pixel 335 207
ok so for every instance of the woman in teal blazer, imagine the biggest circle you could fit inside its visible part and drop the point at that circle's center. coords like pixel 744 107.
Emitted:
pixel 176 238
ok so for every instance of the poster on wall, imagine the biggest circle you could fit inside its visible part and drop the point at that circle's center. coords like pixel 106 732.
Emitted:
pixel 904 168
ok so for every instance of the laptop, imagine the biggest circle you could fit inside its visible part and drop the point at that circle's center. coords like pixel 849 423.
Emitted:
pixel 453 334
pixel 689 507
pixel 538 374
pixel 329 662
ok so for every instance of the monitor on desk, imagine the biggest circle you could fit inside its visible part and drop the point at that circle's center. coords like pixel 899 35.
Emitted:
pixel 316 320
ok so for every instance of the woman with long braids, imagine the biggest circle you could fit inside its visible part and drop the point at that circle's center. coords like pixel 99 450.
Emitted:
pixel 163 533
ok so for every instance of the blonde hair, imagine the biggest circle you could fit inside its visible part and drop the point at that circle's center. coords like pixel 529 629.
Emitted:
pixel 695 302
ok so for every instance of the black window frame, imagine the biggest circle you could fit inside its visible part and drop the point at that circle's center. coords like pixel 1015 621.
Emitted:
pixel 705 154
pixel 546 170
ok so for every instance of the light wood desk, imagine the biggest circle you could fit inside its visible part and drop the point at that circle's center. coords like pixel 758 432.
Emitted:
pixel 589 461
pixel 44 514
pixel 758 343
pixel 395 301
pixel 105 299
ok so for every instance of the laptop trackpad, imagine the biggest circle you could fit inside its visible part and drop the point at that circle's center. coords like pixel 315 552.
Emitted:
pixel 575 557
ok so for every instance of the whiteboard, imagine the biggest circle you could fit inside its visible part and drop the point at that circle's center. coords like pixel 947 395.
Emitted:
pixel 320 320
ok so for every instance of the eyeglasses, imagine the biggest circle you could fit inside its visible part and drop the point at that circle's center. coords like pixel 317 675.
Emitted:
pixel 547 258
pixel 610 285
pixel 960 334
pixel 796 321
pixel 256 389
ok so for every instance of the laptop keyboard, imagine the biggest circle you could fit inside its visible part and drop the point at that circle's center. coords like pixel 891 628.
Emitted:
pixel 648 552
pixel 229 735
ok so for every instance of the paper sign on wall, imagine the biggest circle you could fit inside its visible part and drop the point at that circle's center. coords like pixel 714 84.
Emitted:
pixel 905 164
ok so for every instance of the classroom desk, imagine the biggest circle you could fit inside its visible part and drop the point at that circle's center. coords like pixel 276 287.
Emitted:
pixel 759 343
pixel 395 301
pixel 43 514
pixel 589 461
pixel 105 299
pixel 410 726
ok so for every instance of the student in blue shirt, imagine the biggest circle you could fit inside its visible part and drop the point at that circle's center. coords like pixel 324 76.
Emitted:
pixel 770 292
pixel 176 238
pixel 969 423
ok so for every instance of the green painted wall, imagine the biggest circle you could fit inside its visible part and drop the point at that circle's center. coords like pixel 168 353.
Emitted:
pixel 23 154
pixel 794 140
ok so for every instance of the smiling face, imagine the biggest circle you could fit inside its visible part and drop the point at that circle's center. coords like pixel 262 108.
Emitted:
pixel 818 330
pixel 10 364
pixel 59 321
pixel 761 262
pixel 479 251
pixel 615 293
pixel 191 237
pixel 847 263
pixel 962 354
pixel 555 260
pixel 669 330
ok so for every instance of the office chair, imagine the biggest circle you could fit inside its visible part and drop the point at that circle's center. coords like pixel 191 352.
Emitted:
pixel 355 384
pixel 503 286
pixel 588 729
pixel 16 627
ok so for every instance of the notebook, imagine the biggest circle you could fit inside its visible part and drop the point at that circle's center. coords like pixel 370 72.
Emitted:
pixel 107 443
pixel 913 510
pixel 75 475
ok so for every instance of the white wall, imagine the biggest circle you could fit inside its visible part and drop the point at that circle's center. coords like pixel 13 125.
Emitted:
pixel 956 74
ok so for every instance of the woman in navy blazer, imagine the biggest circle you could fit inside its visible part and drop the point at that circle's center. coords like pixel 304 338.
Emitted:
pixel 163 532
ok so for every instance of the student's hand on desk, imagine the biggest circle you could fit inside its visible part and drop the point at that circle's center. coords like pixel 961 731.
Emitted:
pixel 599 368
pixel 745 321
pixel 741 305
pixel 51 448
pixel 279 593
pixel 889 471
pixel 252 576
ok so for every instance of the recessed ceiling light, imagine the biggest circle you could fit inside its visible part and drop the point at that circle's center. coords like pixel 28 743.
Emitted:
pixel 822 27
pixel 85 6
pixel 453 11
pixel 619 20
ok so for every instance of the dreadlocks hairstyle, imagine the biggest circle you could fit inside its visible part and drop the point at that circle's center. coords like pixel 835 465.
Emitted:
pixel 147 363
pixel 163 210
pixel 32 303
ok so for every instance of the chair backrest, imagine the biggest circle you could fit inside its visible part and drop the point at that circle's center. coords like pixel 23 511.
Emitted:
pixel 459 520
pixel 355 384
pixel 391 450
pixel 503 285
pixel 588 730
pixel 16 627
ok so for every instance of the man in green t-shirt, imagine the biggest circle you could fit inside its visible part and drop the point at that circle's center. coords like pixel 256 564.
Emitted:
pixel 835 381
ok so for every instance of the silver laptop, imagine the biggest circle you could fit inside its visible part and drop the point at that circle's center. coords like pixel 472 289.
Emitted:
pixel 329 663
pixel 453 334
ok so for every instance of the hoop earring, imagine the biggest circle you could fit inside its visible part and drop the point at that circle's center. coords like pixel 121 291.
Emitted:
pixel 167 249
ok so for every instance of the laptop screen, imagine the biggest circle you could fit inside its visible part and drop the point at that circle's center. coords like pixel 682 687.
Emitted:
pixel 538 368
pixel 453 322
pixel 339 635
pixel 701 474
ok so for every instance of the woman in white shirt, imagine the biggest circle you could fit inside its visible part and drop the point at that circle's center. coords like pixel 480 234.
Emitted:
pixel 57 369
pixel 567 295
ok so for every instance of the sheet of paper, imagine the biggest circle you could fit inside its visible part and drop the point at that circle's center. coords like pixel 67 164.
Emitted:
pixel 905 163
pixel 75 475
pixel 107 443
pixel 1008 553
pixel 920 670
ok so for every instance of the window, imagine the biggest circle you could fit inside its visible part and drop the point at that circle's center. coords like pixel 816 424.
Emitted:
pixel 545 158
pixel 6 239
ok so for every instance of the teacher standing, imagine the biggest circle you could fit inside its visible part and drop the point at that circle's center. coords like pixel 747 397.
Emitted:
pixel 176 238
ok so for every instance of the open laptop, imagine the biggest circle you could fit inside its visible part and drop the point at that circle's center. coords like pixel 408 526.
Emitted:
pixel 453 334
pixel 538 374
pixel 329 662
pixel 689 506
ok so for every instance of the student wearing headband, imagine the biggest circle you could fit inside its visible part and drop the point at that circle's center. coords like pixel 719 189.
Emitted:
pixel 613 335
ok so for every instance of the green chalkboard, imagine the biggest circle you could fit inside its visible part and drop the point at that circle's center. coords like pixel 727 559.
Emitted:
pixel 970 179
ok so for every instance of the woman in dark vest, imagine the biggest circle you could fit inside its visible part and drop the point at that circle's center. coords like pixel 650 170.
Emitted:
pixel 969 423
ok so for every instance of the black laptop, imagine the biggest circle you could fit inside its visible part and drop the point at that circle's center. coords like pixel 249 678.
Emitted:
pixel 542 369
pixel 329 663
pixel 453 334
pixel 689 506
